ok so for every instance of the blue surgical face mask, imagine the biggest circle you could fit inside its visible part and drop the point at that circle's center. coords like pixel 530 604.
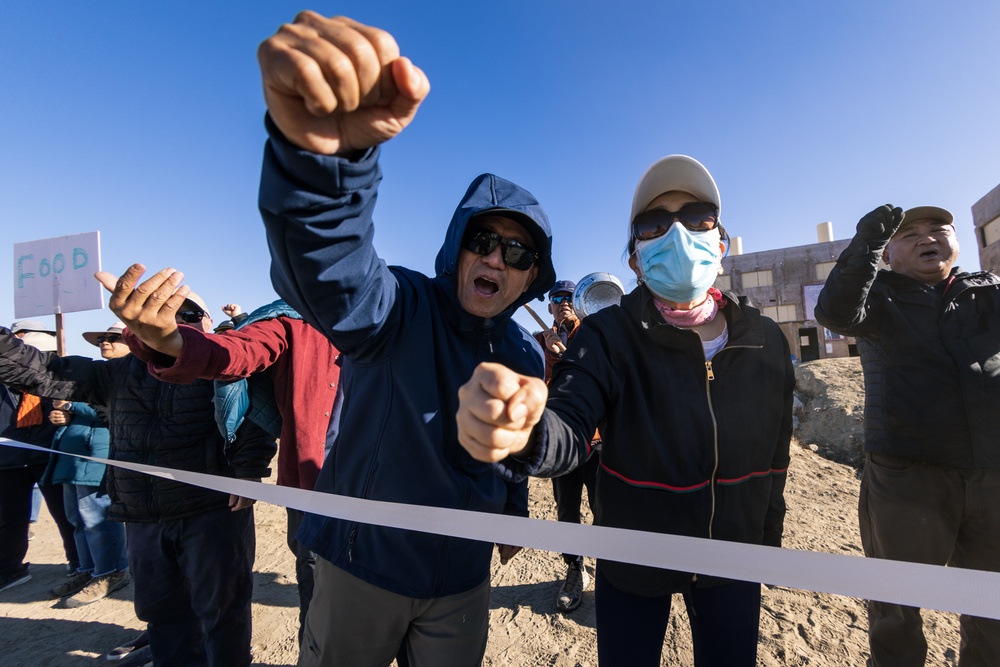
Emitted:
pixel 681 265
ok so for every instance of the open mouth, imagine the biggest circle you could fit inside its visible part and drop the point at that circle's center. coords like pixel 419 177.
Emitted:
pixel 486 287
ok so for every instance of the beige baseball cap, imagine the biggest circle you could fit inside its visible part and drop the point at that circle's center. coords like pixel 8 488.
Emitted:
pixel 675 172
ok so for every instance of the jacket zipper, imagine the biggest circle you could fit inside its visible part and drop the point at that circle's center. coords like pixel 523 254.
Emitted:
pixel 709 377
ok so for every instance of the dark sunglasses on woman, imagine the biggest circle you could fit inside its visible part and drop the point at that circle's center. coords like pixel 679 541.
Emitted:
pixel 515 254
pixel 698 216
pixel 110 338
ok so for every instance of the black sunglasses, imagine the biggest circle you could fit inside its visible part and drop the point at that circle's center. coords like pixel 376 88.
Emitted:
pixel 110 338
pixel 515 254
pixel 698 216
pixel 191 316
pixel 561 298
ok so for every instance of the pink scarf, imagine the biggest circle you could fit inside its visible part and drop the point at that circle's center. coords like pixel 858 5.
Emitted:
pixel 700 314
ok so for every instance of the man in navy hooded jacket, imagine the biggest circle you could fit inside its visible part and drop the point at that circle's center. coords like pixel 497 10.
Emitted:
pixel 335 90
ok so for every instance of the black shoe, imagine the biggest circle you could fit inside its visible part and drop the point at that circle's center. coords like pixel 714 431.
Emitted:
pixel 120 652
pixel 18 577
pixel 571 593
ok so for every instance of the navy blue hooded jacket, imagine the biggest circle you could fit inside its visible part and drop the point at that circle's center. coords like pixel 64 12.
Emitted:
pixel 409 346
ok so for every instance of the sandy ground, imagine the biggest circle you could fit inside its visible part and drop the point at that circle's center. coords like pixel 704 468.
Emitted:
pixel 797 627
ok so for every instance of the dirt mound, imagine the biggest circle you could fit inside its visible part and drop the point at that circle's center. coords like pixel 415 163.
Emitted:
pixel 829 408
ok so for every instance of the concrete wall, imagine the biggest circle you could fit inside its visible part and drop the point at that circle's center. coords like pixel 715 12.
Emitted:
pixel 791 270
pixel 984 211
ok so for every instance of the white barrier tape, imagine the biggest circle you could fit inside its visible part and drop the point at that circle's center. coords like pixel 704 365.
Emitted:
pixel 972 592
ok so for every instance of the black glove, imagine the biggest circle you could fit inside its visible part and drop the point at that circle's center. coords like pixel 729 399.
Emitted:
pixel 877 227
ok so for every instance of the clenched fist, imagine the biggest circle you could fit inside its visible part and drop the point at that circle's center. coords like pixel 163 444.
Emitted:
pixel 877 227
pixel 333 85
pixel 497 411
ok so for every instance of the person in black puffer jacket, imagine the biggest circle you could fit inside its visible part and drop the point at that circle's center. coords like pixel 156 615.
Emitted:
pixel 190 549
pixel 929 339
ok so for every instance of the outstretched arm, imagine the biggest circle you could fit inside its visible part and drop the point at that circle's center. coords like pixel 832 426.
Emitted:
pixel 842 304
pixel 335 90
pixel 27 369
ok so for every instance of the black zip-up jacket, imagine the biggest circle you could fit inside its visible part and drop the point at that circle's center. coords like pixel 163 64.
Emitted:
pixel 691 447
pixel 930 355
pixel 150 421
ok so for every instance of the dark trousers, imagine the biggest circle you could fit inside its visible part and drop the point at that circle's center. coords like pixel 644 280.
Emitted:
pixel 55 503
pixel 568 492
pixel 15 515
pixel 725 620
pixel 936 515
pixel 305 565
pixel 193 584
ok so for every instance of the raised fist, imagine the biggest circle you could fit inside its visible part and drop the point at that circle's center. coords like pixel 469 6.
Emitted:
pixel 333 85
pixel 877 227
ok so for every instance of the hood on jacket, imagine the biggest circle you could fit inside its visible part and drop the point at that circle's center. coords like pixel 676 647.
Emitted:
pixel 494 194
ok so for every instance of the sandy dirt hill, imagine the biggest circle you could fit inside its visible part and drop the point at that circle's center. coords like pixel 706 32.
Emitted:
pixel 797 627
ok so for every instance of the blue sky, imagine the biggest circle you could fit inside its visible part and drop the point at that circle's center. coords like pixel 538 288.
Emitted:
pixel 144 121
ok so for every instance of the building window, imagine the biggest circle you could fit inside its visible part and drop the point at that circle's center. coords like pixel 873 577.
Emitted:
pixel 991 232
pixel 758 279
pixel 823 270
pixel 724 282
pixel 780 313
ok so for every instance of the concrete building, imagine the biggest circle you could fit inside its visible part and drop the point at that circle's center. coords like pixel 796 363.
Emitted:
pixel 784 284
pixel 986 218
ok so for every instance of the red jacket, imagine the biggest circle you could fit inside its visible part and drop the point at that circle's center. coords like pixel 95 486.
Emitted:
pixel 302 364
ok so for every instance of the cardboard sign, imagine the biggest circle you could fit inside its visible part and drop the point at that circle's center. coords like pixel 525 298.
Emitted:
pixel 56 275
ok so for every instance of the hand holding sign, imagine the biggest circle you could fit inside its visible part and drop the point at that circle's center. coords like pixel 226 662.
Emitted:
pixel 148 309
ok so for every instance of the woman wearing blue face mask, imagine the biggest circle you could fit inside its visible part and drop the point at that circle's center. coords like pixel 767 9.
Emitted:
pixel 692 389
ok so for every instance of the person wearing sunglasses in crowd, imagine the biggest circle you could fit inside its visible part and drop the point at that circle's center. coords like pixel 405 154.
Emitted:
pixel 408 342
pixel 693 392
pixel 190 550
pixel 100 542
pixel 567 489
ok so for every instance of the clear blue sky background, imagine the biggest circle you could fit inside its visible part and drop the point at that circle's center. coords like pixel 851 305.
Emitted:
pixel 143 120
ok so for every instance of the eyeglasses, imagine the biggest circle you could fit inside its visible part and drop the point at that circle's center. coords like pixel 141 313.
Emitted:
pixel 191 316
pixel 110 338
pixel 698 216
pixel 561 298
pixel 515 254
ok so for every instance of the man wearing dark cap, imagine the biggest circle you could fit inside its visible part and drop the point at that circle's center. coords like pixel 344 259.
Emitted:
pixel 568 488
pixel 929 339
pixel 409 342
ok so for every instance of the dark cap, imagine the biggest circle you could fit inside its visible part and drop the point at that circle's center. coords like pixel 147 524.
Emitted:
pixel 567 286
